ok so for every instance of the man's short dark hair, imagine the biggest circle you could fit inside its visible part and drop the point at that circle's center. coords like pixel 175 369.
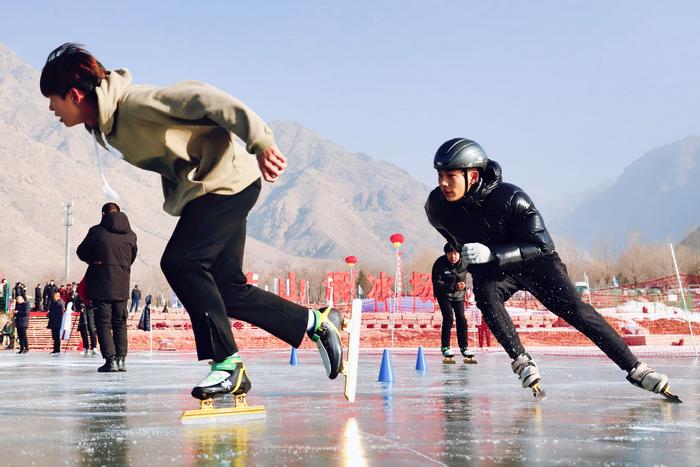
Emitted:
pixel 70 66
pixel 110 207
pixel 449 247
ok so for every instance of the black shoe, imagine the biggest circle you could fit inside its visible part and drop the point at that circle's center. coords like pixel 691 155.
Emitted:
pixel 110 365
pixel 326 334
pixel 227 377
pixel 20 352
pixel 121 363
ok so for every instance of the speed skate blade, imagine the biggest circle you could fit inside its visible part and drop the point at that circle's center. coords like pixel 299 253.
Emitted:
pixel 350 366
pixel 223 415
pixel 448 361
pixel 470 361
pixel 538 392
pixel 670 397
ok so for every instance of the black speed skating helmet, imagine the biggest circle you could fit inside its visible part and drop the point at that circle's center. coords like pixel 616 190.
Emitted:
pixel 460 153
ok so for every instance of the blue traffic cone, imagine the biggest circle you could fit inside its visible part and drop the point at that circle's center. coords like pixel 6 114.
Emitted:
pixel 386 372
pixel 420 361
pixel 293 360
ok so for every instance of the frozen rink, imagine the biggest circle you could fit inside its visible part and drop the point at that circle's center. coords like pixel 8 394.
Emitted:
pixel 60 411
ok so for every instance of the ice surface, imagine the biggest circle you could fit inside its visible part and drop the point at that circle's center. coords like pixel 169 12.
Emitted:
pixel 60 411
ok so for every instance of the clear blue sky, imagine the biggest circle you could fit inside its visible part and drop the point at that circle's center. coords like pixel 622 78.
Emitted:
pixel 565 94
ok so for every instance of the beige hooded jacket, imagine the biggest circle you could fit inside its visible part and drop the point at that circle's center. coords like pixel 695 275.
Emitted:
pixel 185 132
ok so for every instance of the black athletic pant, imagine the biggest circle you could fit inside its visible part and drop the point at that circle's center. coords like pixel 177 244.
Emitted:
pixel 547 280
pixel 87 328
pixel 448 308
pixel 203 263
pixel 56 336
pixel 22 336
pixel 110 321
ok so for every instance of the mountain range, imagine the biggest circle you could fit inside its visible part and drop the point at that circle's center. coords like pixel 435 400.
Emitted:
pixel 657 195
pixel 330 203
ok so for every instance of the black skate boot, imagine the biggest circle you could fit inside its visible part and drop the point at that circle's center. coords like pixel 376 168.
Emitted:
pixel 121 363
pixel 447 355
pixel 468 355
pixel 647 378
pixel 326 334
pixel 110 365
pixel 227 377
pixel 526 369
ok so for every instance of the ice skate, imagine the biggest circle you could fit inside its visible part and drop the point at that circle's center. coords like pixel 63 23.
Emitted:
pixel 468 356
pixel 326 334
pixel 226 378
pixel 447 356
pixel 110 366
pixel 647 378
pixel 348 367
pixel 526 369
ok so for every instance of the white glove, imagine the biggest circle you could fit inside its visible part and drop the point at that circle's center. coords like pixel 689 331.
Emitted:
pixel 477 253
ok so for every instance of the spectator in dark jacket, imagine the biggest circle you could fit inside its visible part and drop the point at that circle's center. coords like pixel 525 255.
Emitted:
pixel 135 299
pixel 56 310
pixel 4 291
pixel 49 290
pixel 22 323
pixel 109 249
pixel 37 297
pixel 17 291
pixel 449 281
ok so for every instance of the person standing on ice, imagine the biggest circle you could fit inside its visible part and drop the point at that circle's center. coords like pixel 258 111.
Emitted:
pixel 449 276
pixel 55 315
pixel 109 249
pixel 503 238
pixel 187 133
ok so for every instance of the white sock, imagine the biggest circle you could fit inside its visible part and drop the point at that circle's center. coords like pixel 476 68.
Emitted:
pixel 312 320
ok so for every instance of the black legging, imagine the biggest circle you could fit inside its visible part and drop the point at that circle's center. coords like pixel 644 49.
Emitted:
pixel 203 263
pixel 56 336
pixel 22 336
pixel 448 308
pixel 547 280
pixel 87 328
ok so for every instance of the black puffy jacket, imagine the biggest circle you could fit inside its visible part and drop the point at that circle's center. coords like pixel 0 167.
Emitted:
pixel 22 315
pixel 445 277
pixel 109 249
pixel 496 214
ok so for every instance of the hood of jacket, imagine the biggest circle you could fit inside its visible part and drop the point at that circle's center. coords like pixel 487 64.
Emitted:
pixel 491 177
pixel 111 90
pixel 116 222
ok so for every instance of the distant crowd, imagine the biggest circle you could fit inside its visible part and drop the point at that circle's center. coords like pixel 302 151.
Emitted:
pixel 15 305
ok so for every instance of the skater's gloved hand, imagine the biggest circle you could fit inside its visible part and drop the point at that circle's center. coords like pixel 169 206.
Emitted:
pixel 477 253
pixel 272 163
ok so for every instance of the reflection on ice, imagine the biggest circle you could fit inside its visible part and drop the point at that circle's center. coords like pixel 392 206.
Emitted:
pixel 353 452
pixel 449 415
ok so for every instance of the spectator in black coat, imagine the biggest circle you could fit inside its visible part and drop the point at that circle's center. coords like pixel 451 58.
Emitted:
pixel 3 290
pixel 56 310
pixel 49 290
pixel 37 297
pixel 17 291
pixel 109 249
pixel 135 299
pixel 22 323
